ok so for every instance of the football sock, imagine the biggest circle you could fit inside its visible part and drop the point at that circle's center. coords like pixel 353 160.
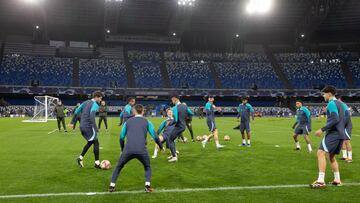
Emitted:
pixel 309 147
pixel 97 162
pixel 297 144
pixel 344 153
pixel 337 176
pixel 321 177
pixel 217 143
pixel 248 142
pixel 112 184
pixel 147 183
pixel 81 157
pixel 155 151
pixel 244 141
pixel 349 154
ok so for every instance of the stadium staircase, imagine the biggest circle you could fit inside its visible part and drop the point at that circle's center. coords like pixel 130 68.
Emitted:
pixel 278 69
pixel 129 70
pixel 164 72
pixel 348 75
pixel 215 76
pixel 76 72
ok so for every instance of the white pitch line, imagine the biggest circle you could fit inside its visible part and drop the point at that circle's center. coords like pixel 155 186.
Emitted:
pixel 52 131
pixel 175 190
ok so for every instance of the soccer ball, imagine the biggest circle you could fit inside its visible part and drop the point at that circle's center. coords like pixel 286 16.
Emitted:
pixel 227 138
pixel 105 164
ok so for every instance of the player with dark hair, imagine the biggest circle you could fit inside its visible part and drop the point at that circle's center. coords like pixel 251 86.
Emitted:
pixel 333 140
pixel 78 117
pixel 188 121
pixel 103 114
pixel 88 126
pixel 302 125
pixel 180 111
pixel 59 111
pixel 135 130
pixel 126 113
pixel 210 120
pixel 245 110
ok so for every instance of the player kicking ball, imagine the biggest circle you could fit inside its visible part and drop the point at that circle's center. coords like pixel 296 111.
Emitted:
pixel 210 120
pixel 331 144
pixel 135 130
pixel 302 125
pixel 166 127
pixel 88 126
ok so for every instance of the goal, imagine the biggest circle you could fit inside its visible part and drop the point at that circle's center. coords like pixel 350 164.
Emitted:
pixel 43 109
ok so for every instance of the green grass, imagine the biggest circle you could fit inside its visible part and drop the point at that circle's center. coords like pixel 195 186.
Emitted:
pixel 32 161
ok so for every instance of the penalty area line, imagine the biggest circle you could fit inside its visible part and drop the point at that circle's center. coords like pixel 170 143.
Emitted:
pixel 175 190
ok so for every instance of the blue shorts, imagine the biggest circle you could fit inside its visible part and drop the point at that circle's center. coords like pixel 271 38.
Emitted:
pixel 245 126
pixel 331 144
pixel 302 130
pixel 211 124
pixel 89 134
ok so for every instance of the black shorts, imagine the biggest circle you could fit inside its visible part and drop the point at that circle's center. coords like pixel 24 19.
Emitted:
pixel 211 124
pixel 302 130
pixel 245 126
pixel 89 134
pixel 143 157
pixel 331 144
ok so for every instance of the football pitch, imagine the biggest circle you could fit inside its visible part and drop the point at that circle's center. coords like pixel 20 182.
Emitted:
pixel 37 164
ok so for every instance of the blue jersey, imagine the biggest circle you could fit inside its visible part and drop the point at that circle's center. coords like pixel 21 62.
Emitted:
pixel 303 117
pixel 126 113
pixel 245 111
pixel 335 123
pixel 210 111
pixel 135 130
pixel 88 111
pixel 166 126
pixel 181 112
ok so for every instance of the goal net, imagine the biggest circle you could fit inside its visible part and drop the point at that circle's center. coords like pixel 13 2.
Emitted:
pixel 43 109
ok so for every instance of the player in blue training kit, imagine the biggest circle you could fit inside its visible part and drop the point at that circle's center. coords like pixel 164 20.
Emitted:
pixel 210 120
pixel 245 110
pixel 135 130
pixel 347 148
pixel 88 126
pixel 181 112
pixel 126 113
pixel 302 125
pixel 333 140
pixel 166 127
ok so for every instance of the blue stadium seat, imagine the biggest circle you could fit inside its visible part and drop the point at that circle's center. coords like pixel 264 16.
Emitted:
pixel 50 71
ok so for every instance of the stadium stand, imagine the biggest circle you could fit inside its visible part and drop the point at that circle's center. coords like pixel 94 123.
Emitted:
pixel 147 74
pixel 355 70
pixel 190 74
pixel 21 70
pixel 245 75
pixel 101 72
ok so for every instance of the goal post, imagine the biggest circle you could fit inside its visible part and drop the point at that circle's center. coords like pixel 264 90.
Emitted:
pixel 43 109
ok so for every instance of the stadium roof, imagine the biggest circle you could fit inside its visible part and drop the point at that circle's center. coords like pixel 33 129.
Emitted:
pixel 89 18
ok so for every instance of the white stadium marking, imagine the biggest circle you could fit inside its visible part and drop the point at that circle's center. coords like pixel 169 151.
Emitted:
pixel 175 190
pixel 52 131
